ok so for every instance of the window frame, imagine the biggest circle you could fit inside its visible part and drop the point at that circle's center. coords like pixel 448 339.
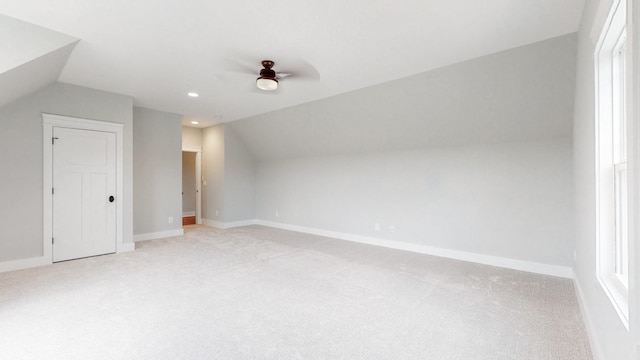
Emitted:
pixel 612 198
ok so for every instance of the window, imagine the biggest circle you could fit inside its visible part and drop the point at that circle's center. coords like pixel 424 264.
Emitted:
pixel 611 160
pixel 619 120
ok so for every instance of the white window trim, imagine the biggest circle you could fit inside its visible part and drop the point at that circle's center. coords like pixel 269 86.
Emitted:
pixel 613 286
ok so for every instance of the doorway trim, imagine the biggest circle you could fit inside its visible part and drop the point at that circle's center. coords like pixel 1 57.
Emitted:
pixel 198 151
pixel 49 121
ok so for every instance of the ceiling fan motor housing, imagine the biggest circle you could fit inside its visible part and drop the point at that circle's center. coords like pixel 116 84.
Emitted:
pixel 267 72
pixel 267 79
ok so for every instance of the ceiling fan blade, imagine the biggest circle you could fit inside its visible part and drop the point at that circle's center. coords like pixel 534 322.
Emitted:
pixel 241 67
pixel 282 75
pixel 301 70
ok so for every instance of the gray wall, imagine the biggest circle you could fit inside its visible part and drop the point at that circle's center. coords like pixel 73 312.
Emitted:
pixel 519 95
pixel 610 339
pixel 191 137
pixel 188 182
pixel 21 160
pixel 213 162
pixel 229 170
pixel 157 163
pixel 509 200
pixel 474 157
pixel 239 179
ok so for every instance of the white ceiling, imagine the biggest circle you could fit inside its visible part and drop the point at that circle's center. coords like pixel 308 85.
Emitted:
pixel 32 58
pixel 157 51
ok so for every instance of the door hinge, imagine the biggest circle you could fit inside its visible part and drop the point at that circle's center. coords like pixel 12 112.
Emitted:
pixel 52 191
pixel 53 140
pixel 53 241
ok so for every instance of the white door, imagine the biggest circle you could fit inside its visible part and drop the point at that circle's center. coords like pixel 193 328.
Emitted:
pixel 84 189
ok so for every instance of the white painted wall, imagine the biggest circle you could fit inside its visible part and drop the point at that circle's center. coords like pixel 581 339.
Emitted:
pixel 609 338
pixel 157 160
pixel 213 163
pixel 507 200
pixel 229 170
pixel 239 179
pixel 191 137
pixel 21 160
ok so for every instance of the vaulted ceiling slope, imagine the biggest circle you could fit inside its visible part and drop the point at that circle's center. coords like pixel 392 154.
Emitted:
pixel 32 57
pixel 157 51
pixel 518 95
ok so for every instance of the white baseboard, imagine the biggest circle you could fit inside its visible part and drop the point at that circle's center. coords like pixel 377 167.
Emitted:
pixel 24 263
pixel 214 223
pixel 228 225
pixel 235 224
pixel 533 267
pixel 188 213
pixel 588 321
pixel 127 247
pixel 41 260
pixel 158 235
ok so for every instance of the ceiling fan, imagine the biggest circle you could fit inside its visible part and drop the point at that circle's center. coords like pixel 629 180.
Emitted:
pixel 268 79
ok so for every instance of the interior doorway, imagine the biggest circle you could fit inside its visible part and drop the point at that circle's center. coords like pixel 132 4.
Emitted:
pixel 191 190
pixel 84 180
pixel 88 155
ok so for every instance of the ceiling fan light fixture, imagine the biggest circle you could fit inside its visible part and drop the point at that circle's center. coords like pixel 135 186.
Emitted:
pixel 267 83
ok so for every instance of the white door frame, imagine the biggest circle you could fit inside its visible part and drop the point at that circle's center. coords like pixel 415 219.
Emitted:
pixel 49 121
pixel 198 151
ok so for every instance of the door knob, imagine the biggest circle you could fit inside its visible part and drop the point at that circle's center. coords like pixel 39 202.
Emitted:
pixel 111 198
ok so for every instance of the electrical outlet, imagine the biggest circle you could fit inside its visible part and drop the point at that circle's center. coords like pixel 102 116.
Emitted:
pixel 376 227
pixel 392 229
pixel 216 212
pixel 170 219
pixel 277 213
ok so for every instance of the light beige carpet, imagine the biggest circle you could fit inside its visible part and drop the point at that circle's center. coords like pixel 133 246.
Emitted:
pixel 262 293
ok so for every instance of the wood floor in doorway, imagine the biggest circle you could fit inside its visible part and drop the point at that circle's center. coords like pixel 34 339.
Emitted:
pixel 188 220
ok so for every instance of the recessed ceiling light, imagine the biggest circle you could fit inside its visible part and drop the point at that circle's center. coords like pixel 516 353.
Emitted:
pixel 194 122
pixel 193 94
